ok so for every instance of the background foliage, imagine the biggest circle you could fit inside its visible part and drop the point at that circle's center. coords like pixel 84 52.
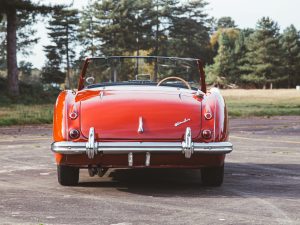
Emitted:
pixel 264 57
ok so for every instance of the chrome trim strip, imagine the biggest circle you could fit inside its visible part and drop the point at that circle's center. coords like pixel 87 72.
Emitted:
pixel 69 147
pixel 140 128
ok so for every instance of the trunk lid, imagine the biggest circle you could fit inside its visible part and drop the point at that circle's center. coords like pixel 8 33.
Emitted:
pixel 116 113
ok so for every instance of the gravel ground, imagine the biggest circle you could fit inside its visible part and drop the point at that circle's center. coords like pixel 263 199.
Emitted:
pixel 261 186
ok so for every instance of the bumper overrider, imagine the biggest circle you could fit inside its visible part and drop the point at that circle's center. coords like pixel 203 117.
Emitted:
pixel 187 147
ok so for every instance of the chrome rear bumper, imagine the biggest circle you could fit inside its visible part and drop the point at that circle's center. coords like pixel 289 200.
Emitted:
pixel 187 147
pixel 68 147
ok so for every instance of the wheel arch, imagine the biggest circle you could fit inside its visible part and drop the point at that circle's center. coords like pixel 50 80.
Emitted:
pixel 60 115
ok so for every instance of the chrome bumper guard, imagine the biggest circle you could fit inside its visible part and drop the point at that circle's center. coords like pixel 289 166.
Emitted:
pixel 187 147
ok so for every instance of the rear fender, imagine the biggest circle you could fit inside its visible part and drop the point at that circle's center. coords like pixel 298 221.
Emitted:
pixel 214 103
pixel 61 121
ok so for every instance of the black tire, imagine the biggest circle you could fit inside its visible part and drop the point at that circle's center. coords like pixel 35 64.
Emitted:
pixel 212 176
pixel 67 175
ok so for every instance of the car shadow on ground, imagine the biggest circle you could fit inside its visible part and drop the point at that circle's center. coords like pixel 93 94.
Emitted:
pixel 260 180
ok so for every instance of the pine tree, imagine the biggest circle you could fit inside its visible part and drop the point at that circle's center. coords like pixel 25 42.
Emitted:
pixel 51 72
pixel 189 33
pixel 86 31
pixel 63 32
pixel 290 43
pixel 25 35
pixel 263 63
pixel 11 9
pixel 163 13
pixel 123 26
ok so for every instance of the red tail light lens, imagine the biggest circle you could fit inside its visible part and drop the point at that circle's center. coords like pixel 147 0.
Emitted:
pixel 208 116
pixel 206 134
pixel 73 115
pixel 74 133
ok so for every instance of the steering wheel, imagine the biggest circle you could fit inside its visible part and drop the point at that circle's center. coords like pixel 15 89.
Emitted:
pixel 175 78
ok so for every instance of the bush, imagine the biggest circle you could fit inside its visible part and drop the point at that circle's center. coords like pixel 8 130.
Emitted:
pixel 29 94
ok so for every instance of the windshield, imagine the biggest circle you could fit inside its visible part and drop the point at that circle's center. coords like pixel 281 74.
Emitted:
pixel 141 71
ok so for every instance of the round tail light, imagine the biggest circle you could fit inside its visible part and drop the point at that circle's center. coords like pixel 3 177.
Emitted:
pixel 73 115
pixel 208 116
pixel 74 133
pixel 206 134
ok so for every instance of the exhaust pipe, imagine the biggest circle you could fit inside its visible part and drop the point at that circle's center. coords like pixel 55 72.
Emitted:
pixel 100 171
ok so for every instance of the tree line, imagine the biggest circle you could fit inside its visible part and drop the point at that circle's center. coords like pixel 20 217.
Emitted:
pixel 262 57
pixel 258 58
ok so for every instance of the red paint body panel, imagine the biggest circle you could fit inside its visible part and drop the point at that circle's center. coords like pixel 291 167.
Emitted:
pixel 63 104
pixel 214 102
pixel 114 112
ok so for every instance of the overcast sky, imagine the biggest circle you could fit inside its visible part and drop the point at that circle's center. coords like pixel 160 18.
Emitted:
pixel 244 12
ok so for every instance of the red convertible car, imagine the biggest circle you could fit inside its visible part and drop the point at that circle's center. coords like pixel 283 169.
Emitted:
pixel 140 112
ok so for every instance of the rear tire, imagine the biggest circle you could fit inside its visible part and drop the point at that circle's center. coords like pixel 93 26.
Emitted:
pixel 67 175
pixel 212 176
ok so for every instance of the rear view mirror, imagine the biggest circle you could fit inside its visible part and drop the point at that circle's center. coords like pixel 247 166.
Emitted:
pixel 90 80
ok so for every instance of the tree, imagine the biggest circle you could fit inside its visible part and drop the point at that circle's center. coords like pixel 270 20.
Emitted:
pixel 122 26
pixel 225 69
pixel 262 62
pixel 225 22
pixel 25 72
pixel 10 9
pixel 51 72
pixel 63 32
pixel 2 44
pixel 221 25
pixel 290 43
pixel 87 31
pixel 161 27
pixel 25 35
pixel 189 33
pixel 25 68
pixel 162 14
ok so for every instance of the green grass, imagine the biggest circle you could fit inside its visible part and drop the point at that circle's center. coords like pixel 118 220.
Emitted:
pixel 246 103
pixel 241 103
pixel 19 114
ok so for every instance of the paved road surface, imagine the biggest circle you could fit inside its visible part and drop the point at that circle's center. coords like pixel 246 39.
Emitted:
pixel 262 183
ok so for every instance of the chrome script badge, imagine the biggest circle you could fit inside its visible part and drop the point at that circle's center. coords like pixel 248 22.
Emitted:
pixel 179 123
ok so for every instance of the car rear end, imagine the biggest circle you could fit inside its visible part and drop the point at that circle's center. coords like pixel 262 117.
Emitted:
pixel 136 127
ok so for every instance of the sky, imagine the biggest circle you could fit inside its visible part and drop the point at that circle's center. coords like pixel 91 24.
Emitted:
pixel 244 12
